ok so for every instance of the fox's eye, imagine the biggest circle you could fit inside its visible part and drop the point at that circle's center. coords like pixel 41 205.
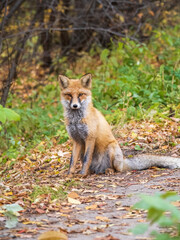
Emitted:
pixel 81 94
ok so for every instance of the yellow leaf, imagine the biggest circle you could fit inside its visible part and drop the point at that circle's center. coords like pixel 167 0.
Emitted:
pixel 32 222
pixel 92 207
pixel 28 160
pixel 64 215
pixel 103 219
pixel 53 235
pixel 50 115
pixel 154 176
pixel 134 135
pixel 121 18
pixel 41 143
pixel 8 193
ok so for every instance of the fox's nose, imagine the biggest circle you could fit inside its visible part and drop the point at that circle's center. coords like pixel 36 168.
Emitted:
pixel 75 105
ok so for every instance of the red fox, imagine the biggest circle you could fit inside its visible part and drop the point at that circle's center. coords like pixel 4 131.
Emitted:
pixel 93 141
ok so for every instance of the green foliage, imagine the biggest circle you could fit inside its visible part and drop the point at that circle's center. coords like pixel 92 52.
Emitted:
pixel 140 229
pixel 11 213
pixel 138 148
pixel 7 114
pixel 136 77
pixel 7 118
pixel 157 207
pixel 41 119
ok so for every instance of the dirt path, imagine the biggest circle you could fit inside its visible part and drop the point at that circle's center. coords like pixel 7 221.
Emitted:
pixel 97 207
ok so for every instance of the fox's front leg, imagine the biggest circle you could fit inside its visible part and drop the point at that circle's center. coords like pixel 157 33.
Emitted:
pixel 88 154
pixel 74 157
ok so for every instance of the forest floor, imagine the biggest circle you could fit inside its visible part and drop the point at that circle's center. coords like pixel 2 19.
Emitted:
pixel 97 207
pixel 100 207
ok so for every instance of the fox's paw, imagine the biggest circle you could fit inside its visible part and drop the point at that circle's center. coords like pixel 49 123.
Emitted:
pixel 83 174
pixel 109 171
pixel 70 175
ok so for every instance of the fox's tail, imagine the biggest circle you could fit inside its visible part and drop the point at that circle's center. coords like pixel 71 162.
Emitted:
pixel 144 161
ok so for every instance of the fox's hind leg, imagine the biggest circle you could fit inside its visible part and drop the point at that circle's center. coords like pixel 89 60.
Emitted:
pixel 118 160
pixel 111 153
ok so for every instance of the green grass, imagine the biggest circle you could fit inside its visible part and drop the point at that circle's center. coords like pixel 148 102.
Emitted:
pixel 133 81
pixel 59 192
pixel 53 193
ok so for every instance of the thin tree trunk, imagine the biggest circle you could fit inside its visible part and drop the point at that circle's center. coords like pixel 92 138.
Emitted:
pixel 12 72
pixel 65 40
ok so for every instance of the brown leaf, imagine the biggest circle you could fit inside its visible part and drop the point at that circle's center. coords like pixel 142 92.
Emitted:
pixel 53 235
pixel 73 195
pixel 108 237
pixel 40 210
pixel 177 204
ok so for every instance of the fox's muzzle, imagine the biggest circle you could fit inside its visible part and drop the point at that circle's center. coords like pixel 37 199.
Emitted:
pixel 75 105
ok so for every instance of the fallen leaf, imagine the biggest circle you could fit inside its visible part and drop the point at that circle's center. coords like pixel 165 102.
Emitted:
pixel 65 210
pixel 175 119
pixel 40 210
pixel 91 207
pixel 177 204
pixel 108 237
pixel 88 231
pixel 53 235
pixel 134 135
pixel 8 193
pixel 73 201
pixel 50 115
pixel 103 219
pixel 73 195
pixel 118 203
pixel 165 147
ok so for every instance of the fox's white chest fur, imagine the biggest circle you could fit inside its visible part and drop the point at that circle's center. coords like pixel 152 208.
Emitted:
pixel 76 128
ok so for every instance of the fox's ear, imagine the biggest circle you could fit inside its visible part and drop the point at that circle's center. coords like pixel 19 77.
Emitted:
pixel 63 81
pixel 86 80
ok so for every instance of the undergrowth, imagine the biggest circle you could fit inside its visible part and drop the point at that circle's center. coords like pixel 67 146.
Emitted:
pixel 46 190
pixel 130 81
pixel 58 192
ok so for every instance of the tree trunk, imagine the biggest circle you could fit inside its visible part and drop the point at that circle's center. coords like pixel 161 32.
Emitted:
pixel 64 23
pixel 12 72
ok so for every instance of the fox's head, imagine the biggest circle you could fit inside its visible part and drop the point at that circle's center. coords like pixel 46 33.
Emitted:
pixel 75 93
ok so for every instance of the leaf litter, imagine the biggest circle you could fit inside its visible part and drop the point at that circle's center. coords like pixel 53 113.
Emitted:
pixel 97 207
